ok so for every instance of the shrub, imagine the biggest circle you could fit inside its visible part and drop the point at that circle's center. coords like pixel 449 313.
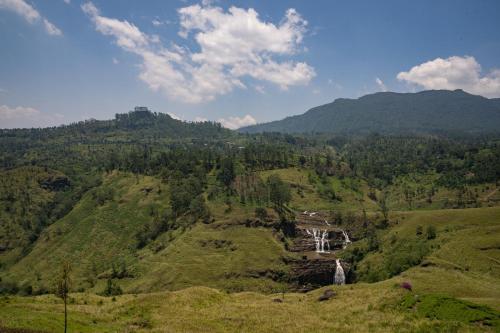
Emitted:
pixel 431 232
pixel 261 213
pixel 101 195
pixel 419 230
pixel 112 289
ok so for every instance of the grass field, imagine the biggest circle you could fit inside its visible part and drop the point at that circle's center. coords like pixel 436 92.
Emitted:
pixel 361 308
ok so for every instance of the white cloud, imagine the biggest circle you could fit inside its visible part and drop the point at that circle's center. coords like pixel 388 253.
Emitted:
pixel 198 119
pixel 260 89
pixel 380 84
pixel 233 45
pixel 207 2
pixel 115 61
pixel 67 2
pixel 157 22
pixel 336 85
pixel 454 73
pixel 7 113
pixel 30 14
pixel 237 122
pixel 51 29
pixel 21 116
pixel 174 116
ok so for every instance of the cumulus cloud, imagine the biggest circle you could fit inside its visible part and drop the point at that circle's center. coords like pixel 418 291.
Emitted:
pixel 21 116
pixel 30 14
pixel 232 45
pixel 237 122
pixel 454 73
pixel 380 84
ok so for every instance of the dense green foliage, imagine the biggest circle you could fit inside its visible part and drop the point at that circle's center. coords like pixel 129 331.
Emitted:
pixel 388 112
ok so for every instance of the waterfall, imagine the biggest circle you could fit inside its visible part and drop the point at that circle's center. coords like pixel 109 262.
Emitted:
pixel 346 238
pixel 339 273
pixel 324 240
pixel 320 239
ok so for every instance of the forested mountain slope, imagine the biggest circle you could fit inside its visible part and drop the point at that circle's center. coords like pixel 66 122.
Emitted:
pixel 388 112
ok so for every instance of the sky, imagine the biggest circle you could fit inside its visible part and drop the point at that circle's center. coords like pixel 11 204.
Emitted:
pixel 236 62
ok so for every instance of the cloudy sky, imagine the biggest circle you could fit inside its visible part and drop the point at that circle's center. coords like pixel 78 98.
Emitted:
pixel 237 62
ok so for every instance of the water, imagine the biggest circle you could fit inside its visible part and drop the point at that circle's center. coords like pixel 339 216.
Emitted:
pixel 320 239
pixel 346 238
pixel 339 273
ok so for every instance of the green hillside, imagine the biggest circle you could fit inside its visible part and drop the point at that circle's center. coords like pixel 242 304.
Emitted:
pixel 468 277
pixel 431 111
pixel 99 236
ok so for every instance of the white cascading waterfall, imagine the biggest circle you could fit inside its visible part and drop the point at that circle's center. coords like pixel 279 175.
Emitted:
pixel 339 277
pixel 346 238
pixel 320 239
pixel 325 241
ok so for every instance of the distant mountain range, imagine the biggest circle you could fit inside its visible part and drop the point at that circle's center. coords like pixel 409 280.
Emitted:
pixel 388 112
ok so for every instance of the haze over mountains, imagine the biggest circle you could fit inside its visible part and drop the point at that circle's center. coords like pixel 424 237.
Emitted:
pixel 388 112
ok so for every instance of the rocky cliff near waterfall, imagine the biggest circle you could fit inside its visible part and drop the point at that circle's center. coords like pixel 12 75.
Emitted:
pixel 316 268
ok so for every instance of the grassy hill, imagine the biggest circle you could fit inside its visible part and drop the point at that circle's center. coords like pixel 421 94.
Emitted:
pixel 461 261
pixel 99 237
pixel 450 288
pixel 388 112
pixel 30 199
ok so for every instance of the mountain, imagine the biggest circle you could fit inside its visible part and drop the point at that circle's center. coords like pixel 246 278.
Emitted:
pixel 389 112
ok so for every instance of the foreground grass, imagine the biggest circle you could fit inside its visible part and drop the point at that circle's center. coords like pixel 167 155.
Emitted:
pixel 377 307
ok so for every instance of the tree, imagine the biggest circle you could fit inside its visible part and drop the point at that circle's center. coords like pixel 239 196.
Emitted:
pixel 226 173
pixel 279 191
pixel 384 208
pixel 62 288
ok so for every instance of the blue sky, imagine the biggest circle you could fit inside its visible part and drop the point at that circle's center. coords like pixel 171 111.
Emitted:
pixel 238 62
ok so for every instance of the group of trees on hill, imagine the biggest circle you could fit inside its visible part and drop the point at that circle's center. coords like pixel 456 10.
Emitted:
pixel 202 161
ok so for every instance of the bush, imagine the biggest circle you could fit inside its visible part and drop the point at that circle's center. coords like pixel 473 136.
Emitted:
pixel 419 230
pixel 101 195
pixel 431 232
pixel 261 213
pixel 8 287
pixel 112 289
